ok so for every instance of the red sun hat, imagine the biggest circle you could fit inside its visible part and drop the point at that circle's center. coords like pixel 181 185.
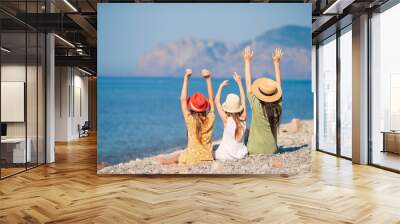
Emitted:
pixel 198 103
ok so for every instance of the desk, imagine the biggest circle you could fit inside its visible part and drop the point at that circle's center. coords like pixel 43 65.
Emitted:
pixel 391 141
pixel 18 149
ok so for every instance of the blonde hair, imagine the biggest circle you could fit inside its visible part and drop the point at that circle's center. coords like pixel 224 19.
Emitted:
pixel 201 119
pixel 239 128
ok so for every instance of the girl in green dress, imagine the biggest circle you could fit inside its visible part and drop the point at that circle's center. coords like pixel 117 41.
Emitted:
pixel 265 99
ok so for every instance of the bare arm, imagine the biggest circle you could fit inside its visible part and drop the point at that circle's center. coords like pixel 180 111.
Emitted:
pixel 207 76
pixel 238 80
pixel 247 57
pixel 221 112
pixel 276 58
pixel 184 91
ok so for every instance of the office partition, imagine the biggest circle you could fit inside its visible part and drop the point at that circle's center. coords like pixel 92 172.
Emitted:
pixel 22 77
pixel 334 93
pixel 385 89
pixel 327 95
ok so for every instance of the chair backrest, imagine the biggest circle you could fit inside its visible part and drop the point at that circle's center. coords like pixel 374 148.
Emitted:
pixel 86 124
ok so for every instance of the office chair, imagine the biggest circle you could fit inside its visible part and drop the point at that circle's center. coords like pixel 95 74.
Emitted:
pixel 84 130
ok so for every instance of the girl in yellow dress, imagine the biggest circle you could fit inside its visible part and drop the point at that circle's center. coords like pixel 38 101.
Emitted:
pixel 199 124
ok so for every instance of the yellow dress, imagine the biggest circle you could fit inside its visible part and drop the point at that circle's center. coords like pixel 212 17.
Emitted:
pixel 197 152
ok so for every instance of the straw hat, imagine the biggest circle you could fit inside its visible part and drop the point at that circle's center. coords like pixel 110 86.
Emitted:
pixel 198 102
pixel 232 104
pixel 267 90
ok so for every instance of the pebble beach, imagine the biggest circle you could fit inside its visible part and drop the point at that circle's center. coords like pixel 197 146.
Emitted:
pixel 294 157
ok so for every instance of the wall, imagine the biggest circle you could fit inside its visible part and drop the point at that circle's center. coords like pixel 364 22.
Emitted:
pixel 71 102
pixel 92 88
pixel 62 82
pixel 80 112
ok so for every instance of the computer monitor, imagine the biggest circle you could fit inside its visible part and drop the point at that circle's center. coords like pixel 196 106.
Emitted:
pixel 3 129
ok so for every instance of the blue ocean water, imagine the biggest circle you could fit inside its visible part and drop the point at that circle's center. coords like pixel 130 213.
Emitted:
pixel 140 117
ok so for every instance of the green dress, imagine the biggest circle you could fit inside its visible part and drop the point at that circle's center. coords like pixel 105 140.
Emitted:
pixel 261 140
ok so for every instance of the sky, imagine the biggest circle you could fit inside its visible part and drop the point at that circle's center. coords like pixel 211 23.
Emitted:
pixel 126 31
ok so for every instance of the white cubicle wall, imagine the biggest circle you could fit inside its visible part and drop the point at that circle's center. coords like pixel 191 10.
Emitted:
pixel 13 73
pixel 12 98
pixel 13 147
pixel 14 88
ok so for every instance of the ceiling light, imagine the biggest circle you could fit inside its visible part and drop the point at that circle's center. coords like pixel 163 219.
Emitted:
pixel 65 41
pixel 84 71
pixel 333 6
pixel 79 51
pixel 70 5
pixel 337 7
pixel 5 50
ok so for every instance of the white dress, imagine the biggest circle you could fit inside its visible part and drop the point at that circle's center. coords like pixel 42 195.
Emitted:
pixel 230 149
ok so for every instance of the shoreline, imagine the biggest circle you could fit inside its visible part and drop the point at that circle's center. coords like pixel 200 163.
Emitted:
pixel 294 157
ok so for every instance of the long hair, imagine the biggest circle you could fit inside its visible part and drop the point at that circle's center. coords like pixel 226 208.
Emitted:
pixel 273 112
pixel 239 128
pixel 201 118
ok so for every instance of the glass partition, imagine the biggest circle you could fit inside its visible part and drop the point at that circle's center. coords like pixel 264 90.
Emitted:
pixel 31 99
pixel 41 96
pixel 327 95
pixel 385 89
pixel 22 88
pixel 14 153
pixel 346 92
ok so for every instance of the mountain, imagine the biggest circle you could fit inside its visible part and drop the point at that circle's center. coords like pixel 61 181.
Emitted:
pixel 222 59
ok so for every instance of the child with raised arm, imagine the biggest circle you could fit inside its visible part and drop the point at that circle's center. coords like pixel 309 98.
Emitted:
pixel 198 112
pixel 265 99
pixel 233 115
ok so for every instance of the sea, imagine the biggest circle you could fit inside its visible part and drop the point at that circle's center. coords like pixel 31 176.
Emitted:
pixel 141 117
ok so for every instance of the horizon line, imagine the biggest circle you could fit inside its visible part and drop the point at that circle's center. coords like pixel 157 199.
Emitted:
pixel 179 77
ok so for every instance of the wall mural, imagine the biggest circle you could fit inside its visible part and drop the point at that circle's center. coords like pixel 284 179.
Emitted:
pixel 204 88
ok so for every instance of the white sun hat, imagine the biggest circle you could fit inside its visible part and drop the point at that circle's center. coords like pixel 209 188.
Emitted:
pixel 232 104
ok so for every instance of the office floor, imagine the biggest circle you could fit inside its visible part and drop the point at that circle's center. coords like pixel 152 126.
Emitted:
pixel 387 159
pixel 10 171
pixel 69 191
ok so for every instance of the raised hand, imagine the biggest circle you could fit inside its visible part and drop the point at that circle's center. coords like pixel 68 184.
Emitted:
pixel 207 77
pixel 276 58
pixel 224 83
pixel 205 73
pixel 188 73
pixel 237 78
pixel 277 55
pixel 184 92
pixel 248 54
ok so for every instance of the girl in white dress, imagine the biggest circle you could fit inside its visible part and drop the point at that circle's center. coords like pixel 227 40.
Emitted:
pixel 233 115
